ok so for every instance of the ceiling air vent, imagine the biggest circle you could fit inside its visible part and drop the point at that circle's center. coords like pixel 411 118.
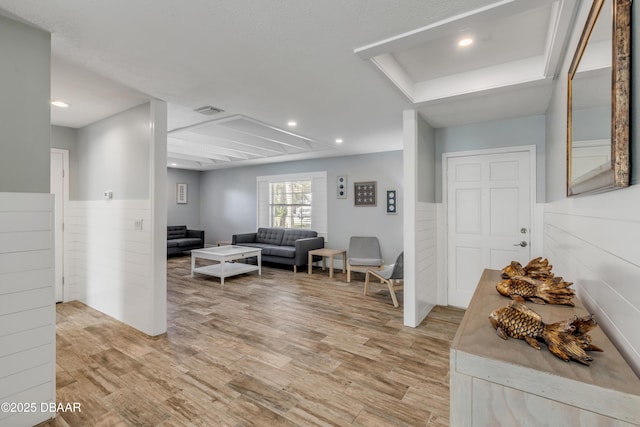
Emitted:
pixel 208 110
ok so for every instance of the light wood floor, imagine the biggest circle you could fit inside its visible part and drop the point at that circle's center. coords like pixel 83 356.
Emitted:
pixel 282 349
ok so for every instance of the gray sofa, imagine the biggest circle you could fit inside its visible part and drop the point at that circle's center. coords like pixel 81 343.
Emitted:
pixel 289 246
pixel 180 239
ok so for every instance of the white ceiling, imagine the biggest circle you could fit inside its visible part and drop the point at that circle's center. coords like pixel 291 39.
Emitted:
pixel 322 64
pixel 508 71
pixel 90 95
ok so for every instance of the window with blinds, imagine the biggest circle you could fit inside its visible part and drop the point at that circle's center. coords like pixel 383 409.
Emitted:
pixel 293 201
pixel 290 204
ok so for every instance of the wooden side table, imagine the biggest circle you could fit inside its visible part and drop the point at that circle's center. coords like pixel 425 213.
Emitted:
pixel 324 253
pixel 489 373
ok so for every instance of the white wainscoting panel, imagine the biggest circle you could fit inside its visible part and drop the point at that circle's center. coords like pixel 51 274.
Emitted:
pixel 593 242
pixel 27 307
pixel 441 255
pixel 426 262
pixel 108 259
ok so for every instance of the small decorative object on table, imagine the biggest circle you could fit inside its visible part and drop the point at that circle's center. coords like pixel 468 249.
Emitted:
pixel 552 291
pixel 566 340
pixel 537 268
pixel 535 282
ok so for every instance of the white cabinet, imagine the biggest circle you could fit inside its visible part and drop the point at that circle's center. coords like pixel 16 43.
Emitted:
pixel 508 383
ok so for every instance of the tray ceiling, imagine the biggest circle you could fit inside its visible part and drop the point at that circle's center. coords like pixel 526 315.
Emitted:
pixel 515 55
pixel 232 140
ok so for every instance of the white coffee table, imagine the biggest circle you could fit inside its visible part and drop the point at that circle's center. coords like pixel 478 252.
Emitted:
pixel 224 255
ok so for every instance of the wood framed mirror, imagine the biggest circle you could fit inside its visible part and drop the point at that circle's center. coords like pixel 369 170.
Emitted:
pixel 598 101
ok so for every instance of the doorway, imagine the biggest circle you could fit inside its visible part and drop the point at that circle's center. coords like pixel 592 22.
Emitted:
pixel 60 190
pixel 489 197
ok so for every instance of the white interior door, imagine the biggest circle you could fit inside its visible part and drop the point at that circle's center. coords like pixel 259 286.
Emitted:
pixel 489 206
pixel 59 188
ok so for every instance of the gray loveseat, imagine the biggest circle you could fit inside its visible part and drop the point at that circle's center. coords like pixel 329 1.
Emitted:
pixel 289 246
pixel 180 239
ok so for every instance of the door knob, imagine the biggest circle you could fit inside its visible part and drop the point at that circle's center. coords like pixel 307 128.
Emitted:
pixel 523 244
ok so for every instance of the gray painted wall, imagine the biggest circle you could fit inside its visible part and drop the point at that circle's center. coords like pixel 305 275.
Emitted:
pixel 113 154
pixel 183 214
pixel 228 199
pixel 556 151
pixel 25 54
pixel 67 139
pixel 64 138
pixel 426 185
pixel 497 134
pixel 591 123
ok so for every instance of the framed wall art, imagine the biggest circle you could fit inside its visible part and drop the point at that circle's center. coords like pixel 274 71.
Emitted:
pixel 181 193
pixel 364 193
pixel 341 186
pixel 392 202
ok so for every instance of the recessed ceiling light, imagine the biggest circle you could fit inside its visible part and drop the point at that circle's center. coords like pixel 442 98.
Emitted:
pixel 292 123
pixel 60 104
pixel 465 42
pixel 338 140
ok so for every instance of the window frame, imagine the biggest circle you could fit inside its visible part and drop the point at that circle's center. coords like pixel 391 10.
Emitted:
pixel 319 205
pixel 288 207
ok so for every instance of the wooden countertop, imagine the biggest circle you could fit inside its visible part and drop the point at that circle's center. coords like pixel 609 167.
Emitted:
pixel 477 337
